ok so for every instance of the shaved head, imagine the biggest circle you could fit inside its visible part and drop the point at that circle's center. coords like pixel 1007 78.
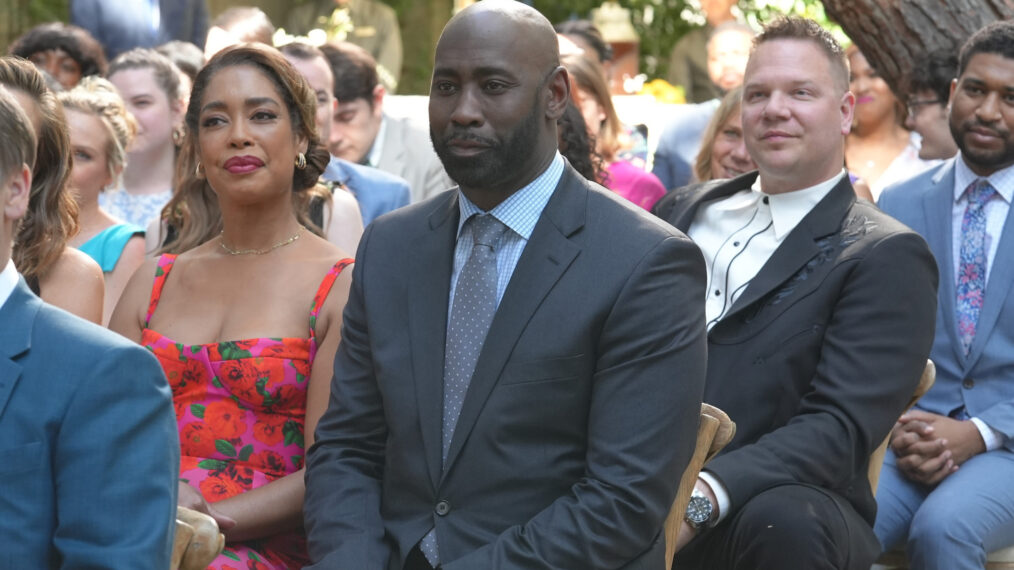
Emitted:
pixel 497 92
pixel 530 30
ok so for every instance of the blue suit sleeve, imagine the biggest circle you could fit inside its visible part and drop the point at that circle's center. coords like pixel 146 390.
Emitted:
pixel 117 465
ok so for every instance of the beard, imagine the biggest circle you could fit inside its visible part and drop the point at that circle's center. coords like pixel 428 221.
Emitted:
pixel 984 158
pixel 499 162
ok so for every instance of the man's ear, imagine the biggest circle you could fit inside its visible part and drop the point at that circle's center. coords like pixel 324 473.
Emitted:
pixel 848 109
pixel 378 99
pixel 16 194
pixel 557 93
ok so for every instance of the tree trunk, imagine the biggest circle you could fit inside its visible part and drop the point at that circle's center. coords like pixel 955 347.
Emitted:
pixel 893 33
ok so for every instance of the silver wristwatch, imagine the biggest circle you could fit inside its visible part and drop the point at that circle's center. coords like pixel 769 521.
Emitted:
pixel 699 510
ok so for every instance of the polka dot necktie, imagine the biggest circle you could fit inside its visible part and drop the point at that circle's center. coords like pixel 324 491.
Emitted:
pixel 471 314
pixel 972 265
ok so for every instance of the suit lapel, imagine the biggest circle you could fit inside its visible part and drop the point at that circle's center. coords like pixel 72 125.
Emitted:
pixel 546 257
pixel 938 206
pixel 432 262
pixel 799 246
pixel 17 316
pixel 706 193
pixel 1000 276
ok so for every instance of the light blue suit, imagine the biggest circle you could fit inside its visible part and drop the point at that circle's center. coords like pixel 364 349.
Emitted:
pixel 89 455
pixel 377 192
pixel 970 512
pixel 680 142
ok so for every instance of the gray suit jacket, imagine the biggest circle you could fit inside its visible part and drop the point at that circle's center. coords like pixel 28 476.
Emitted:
pixel 580 417
pixel 983 381
pixel 89 455
pixel 408 153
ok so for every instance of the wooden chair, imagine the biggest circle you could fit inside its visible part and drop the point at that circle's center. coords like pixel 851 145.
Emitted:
pixel 929 375
pixel 197 541
pixel 714 432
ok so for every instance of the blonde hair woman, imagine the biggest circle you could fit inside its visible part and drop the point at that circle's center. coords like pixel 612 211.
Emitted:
pixel 100 131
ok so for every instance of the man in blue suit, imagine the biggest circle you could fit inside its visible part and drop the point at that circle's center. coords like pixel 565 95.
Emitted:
pixel 947 480
pixel 121 26
pixel 377 192
pixel 89 454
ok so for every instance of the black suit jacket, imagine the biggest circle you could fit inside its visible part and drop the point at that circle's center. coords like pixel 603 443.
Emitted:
pixel 817 358
pixel 578 422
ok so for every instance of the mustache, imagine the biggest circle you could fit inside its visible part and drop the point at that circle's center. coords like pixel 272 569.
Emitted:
pixel 996 128
pixel 465 135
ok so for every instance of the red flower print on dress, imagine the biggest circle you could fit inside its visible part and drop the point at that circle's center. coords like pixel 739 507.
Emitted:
pixel 197 440
pixel 241 475
pixel 270 462
pixel 268 430
pixel 187 463
pixel 225 419
pixel 216 487
pixel 241 377
pixel 288 397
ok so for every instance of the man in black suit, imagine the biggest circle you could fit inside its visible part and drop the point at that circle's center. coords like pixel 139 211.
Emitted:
pixel 557 438
pixel 820 313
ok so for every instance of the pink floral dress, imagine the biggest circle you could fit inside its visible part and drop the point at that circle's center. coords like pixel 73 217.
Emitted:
pixel 240 407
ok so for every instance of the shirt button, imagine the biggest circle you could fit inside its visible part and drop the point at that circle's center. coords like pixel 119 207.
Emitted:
pixel 717 292
pixel 968 383
pixel 735 244
pixel 443 507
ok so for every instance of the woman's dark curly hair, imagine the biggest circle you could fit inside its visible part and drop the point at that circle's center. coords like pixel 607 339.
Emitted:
pixel 577 146
pixel 193 211
pixel 80 45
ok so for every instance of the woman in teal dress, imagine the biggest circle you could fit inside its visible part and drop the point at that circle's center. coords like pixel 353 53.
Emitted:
pixel 100 131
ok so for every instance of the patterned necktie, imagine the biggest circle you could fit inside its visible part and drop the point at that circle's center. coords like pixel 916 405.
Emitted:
pixel 972 265
pixel 471 314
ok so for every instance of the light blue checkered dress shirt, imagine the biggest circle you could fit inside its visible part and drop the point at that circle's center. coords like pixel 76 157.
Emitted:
pixel 519 212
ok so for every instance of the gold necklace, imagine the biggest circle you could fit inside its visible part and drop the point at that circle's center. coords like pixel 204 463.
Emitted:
pixel 282 243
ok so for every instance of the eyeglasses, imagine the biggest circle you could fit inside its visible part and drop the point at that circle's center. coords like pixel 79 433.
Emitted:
pixel 913 106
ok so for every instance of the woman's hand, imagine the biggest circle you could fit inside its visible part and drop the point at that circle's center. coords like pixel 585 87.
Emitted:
pixel 191 498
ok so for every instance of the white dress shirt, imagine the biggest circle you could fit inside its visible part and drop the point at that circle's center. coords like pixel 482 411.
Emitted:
pixel 8 281
pixel 996 210
pixel 738 234
pixel 373 157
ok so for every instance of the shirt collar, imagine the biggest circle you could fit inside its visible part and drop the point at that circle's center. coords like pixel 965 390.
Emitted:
pixel 521 210
pixel 789 208
pixel 1002 180
pixel 8 281
pixel 373 157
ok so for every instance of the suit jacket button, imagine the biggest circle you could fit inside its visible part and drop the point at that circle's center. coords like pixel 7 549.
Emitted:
pixel 443 507
pixel 968 383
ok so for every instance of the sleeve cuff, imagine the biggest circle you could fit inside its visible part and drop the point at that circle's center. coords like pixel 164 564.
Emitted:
pixel 992 438
pixel 721 495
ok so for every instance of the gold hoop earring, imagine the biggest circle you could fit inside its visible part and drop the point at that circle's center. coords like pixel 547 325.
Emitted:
pixel 197 170
pixel 301 161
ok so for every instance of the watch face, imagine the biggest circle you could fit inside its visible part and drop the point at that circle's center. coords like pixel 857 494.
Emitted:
pixel 698 510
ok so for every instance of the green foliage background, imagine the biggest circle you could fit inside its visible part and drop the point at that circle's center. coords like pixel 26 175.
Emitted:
pixel 660 23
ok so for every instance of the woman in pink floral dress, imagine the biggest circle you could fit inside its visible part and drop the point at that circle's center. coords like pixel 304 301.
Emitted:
pixel 243 309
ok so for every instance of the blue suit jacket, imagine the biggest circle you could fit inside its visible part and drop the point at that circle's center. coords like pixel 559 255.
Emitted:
pixel 377 192
pixel 983 381
pixel 120 26
pixel 89 455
